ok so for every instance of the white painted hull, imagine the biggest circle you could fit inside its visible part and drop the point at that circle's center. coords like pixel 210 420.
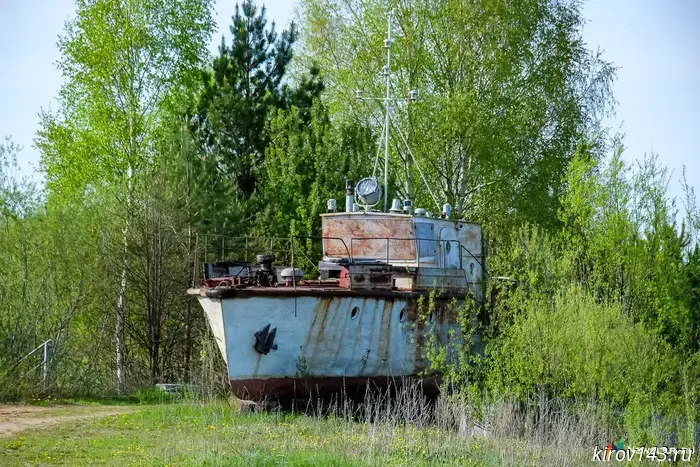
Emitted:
pixel 319 340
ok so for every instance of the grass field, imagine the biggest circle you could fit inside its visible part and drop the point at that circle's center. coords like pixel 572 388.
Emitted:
pixel 213 434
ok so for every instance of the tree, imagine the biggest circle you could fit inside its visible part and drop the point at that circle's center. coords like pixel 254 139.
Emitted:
pixel 506 95
pixel 305 165
pixel 243 90
pixel 128 65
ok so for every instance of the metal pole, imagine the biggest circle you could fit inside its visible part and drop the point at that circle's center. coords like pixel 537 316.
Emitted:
pixel 294 271
pixel 206 248
pixel 388 110
pixel 45 365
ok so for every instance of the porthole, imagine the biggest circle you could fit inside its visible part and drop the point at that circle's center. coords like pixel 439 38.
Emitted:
pixel 402 315
pixel 448 246
pixel 355 311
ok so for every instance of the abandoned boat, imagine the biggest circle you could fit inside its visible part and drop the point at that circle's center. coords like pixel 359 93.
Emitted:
pixel 360 321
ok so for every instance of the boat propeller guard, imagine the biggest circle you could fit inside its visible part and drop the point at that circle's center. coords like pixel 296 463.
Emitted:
pixel 265 340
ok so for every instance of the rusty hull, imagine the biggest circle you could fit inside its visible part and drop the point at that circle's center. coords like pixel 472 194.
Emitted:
pixel 352 387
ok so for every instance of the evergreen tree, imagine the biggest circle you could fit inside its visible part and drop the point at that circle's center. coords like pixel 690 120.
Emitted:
pixel 242 90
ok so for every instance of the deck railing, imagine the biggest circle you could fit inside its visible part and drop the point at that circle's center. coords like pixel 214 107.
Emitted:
pixel 304 252
pixel 442 247
pixel 300 251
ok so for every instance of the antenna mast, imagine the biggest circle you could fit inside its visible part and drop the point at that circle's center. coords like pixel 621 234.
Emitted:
pixel 387 119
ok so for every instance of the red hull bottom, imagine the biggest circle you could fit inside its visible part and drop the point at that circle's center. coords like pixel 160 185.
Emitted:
pixel 353 387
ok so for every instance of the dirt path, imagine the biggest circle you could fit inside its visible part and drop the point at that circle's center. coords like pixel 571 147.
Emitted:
pixel 16 418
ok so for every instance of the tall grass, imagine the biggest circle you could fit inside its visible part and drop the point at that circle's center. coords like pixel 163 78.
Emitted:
pixel 539 432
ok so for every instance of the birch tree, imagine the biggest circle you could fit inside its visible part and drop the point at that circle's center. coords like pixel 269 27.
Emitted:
pixel 506 92
pixel 127 65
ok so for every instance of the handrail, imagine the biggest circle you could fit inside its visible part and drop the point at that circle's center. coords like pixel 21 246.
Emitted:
pixel 313 237
pixel 417 240
pixel 349 251
pixel 286 239
pixel 238 246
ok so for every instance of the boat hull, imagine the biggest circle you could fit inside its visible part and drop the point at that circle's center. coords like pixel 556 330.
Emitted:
pixel 324 344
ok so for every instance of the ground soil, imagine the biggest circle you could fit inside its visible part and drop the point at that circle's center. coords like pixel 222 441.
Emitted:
pixel 16 418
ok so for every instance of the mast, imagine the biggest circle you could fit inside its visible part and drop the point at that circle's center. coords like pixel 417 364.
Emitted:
pixel 359 95
pixel 387 71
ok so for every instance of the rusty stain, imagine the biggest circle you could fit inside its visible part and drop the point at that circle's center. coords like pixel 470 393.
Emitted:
pixel 323 310
pixel 324 313
pixel 319 311
pixel 257 365
pixel 372 328
pixel 344 326
pixel 384 347
pixel 359 278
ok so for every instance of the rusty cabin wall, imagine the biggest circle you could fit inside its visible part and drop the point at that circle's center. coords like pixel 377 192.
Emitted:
pixel 376 232
pixel 376 228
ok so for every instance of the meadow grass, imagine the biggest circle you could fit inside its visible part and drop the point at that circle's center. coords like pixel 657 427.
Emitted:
pixel 213 434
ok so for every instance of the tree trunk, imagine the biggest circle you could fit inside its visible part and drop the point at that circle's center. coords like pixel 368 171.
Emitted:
pixel 121 295
pixel 121 380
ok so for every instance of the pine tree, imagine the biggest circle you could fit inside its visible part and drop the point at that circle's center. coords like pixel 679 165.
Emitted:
pixel 242 91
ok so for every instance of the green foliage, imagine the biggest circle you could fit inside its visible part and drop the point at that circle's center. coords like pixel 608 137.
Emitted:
pixel 603 309
pixel 506 95
pixel 306 164
pixel 126 65
pixel 130 71
pixel 242 92
pixel 571 347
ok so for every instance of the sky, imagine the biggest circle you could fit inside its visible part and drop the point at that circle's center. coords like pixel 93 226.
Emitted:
pixel 655 44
